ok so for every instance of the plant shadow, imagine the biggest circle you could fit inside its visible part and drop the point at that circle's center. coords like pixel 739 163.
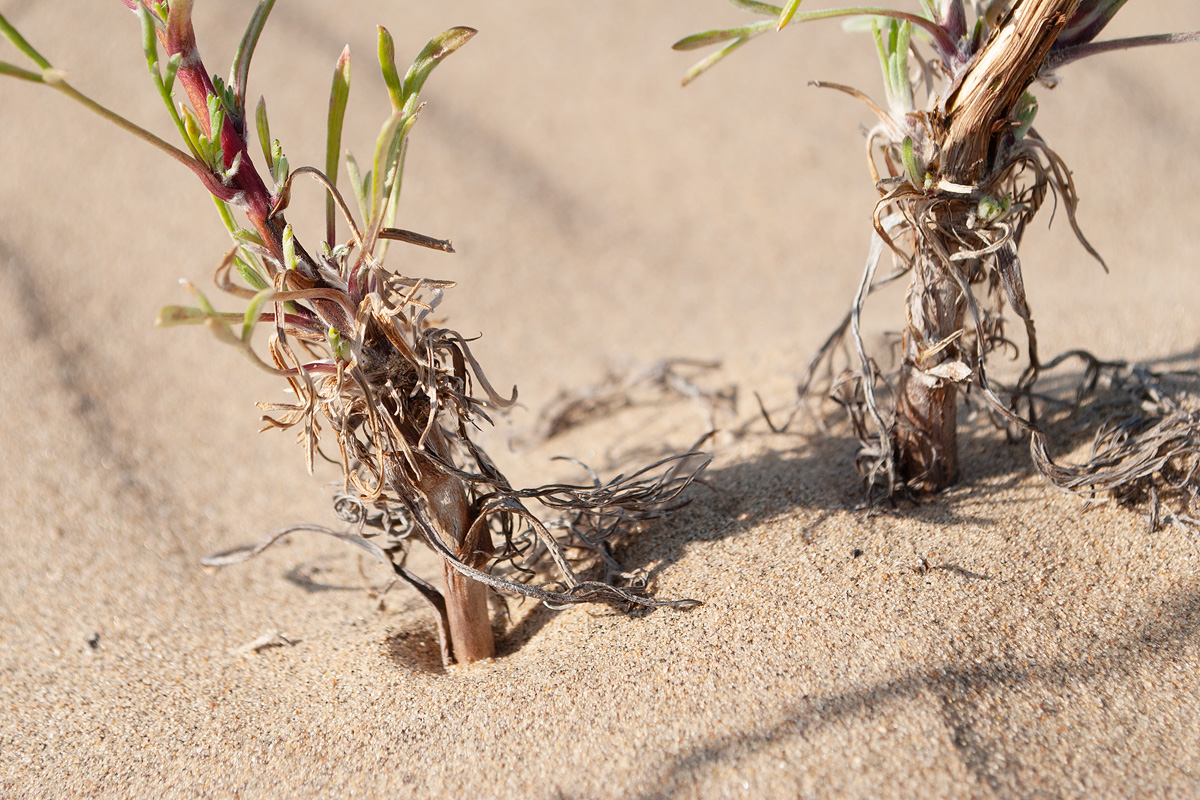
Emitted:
pixel 417 649
pixel 770 477
pixel 773 477
pixel 810 479
pixel 964 693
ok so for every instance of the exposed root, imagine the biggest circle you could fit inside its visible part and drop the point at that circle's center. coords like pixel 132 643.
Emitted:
pixel 969 237
pixel 960 178
pixel 364 357
pixel 675 377
pixel 1146 449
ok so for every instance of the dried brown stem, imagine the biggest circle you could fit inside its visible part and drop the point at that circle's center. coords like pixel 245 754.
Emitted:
pixel 466 599
pixel 988 90
pixel 926 412
pixel 977 117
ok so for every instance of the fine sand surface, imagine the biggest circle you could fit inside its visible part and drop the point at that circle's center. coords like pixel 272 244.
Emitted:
pixel 999 641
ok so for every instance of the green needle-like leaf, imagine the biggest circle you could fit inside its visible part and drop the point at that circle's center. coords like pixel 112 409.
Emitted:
pixel 170 316
pixel 699 40
pixel 912 168
pixel 14 71
pixel 339 94
pixel 264 133
pixel 901 88
pixel 289 248
pixel 747 32
pixel 11 33
pixel 387 65
pixel 149 43
pixel 172 68
pixel 240 71
pixel 162 83
pixel 379 175
pixel 763 9
pixel 280 170
pixel 205 306
pixel 250 272
pixel 254 311
pixel 881 49
pixel 788 13
pixel 701 67
pixel 438 48
pixel 358 185
pixel 1024 113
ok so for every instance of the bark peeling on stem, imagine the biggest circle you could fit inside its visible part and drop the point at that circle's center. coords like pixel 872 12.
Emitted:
pixel 962 179
pixel 467 617
pixel 925 435
pixel 980 105
pixel 989 89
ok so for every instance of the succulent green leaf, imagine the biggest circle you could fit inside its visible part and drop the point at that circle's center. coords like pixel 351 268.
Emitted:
pixel 395 179
pixel 741 35
pixel 289 248
pixel 245 236
pixel 254 311
pixel 704 39
pixel 264 133
pixel 280 170
pixel 205 306
pixel 163 82
pixel 337 345
pixel 13 71
pixel 250 271
pixel 990 209
pixel 172 68
pixel 754 7
pixel 339 94
pixel 433 53
pixel 902 87
pixel 214 154
pixel 170 316
pixel 380 175
pixel 223 93
pixel 220 329
pixel 14 36
pixel 226 215
pixel 880 49
pixel 358 185
pixel 240 71
pixel 1024 113
pixel 56 79
pixel 912 168
pixel 194 134
pixel 387 65
pixel 701 67
pixel 788 12
pixel 149 42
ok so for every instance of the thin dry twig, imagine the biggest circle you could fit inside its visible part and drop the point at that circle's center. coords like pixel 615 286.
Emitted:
pixel 669 378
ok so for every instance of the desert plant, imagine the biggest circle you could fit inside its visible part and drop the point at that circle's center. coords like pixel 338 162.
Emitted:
pixel 359 349
pixel 963 174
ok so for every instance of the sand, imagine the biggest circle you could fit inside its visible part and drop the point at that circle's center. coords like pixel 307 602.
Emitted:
pixel 999 641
